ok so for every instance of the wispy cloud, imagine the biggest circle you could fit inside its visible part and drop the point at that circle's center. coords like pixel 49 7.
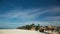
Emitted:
pixel 24 14
pixel 54 9
pixel 53 18
pixel 29 15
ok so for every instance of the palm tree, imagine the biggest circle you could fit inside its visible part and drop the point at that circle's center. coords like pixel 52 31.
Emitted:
pixel 22 27
pixel 37 27
pixel 27 27
pixel 32 25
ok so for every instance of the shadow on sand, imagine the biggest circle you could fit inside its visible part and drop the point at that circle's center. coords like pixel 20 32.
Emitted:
pixel 46 32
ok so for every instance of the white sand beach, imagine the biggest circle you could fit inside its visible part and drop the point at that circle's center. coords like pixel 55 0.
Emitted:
pixel 19 31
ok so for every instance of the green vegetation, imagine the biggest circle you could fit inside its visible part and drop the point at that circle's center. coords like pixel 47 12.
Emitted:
pixel 29 27
pixel 39 27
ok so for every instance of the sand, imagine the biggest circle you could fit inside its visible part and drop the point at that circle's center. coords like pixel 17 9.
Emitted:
pixel 18 31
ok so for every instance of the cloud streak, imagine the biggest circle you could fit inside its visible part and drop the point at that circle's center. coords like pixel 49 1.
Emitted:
pixel 24 14
pixel 47 16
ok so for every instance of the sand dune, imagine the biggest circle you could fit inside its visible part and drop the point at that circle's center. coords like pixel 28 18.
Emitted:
pixel 18 31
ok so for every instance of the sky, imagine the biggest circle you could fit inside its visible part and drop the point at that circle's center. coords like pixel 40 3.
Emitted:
pixel 15 13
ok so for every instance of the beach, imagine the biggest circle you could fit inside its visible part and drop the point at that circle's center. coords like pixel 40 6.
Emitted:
pixel 19 31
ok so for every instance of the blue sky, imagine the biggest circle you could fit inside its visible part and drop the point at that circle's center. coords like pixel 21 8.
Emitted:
pixel 15 13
